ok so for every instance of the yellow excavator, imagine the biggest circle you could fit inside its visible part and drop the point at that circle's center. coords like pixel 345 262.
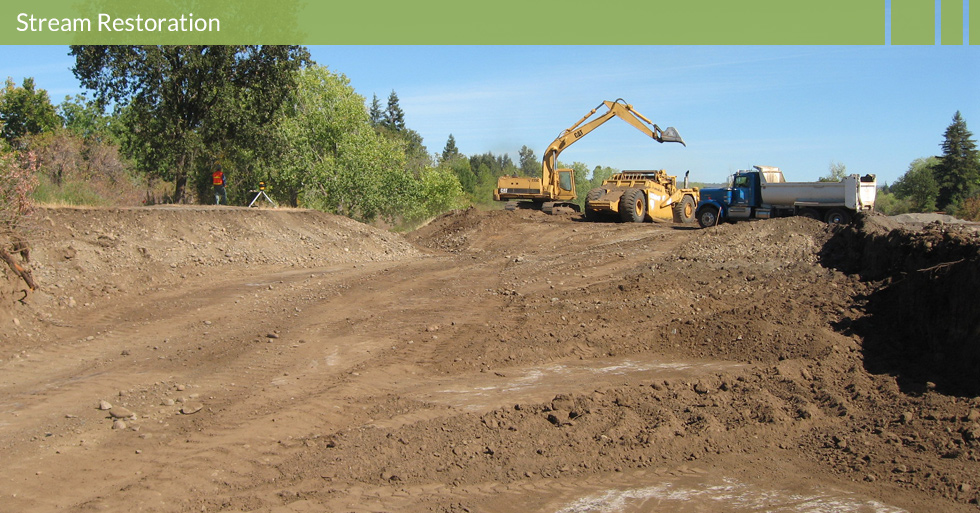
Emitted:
pixel 556 187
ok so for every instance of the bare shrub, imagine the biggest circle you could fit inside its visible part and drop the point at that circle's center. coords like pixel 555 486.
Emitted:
pixel 83 171
pixel 17 182
pixel 969 209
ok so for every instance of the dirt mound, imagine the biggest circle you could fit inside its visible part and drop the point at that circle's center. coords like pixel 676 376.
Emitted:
pixel 923 318
pixel 920 219
pixel 715 296
pixel 478 230
pixel 451 231
pixel 879 247
pixel 84 257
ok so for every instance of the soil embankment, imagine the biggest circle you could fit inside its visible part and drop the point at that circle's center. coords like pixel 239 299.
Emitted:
pixel 226 359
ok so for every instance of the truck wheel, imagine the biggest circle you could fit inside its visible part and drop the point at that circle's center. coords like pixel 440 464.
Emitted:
pixel 594 194
pixel 708 216
pixel 684 211
pixel 632 206
pixel 810 213
pixel 837 216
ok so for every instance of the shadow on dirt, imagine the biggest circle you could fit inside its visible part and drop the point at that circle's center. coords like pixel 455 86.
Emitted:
pixel 612 219
pixel 922 321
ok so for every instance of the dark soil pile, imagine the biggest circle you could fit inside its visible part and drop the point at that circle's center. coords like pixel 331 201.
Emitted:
pixel 923 319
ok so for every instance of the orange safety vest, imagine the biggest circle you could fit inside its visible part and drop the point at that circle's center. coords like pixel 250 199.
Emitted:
pixel 218 178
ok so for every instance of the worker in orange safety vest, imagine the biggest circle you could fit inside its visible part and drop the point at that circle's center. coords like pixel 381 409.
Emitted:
pixel 218 179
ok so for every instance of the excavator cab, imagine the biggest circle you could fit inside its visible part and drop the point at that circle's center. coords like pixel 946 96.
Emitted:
pixel 566 181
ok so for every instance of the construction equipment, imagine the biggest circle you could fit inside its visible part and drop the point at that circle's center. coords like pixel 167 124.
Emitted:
pixel 638 196
pixel 763 193
pixel 556 187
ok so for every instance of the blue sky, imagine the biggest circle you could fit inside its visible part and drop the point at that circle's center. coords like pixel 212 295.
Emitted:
pixel 873 108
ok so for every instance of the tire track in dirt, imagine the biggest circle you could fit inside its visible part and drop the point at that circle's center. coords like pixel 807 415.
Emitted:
pixel 681 488
pixel 286 398
pixel 83 388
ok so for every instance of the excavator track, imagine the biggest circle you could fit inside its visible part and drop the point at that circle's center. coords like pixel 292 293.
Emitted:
pixel 557 207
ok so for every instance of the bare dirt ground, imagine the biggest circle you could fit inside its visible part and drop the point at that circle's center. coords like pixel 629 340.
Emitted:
pixel 224 359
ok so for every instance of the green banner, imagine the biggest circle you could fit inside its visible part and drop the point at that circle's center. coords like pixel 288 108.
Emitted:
pixel 913 22
pixel 952 22
pixel 647 22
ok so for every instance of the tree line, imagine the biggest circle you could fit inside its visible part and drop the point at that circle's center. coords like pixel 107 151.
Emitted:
pixel 478 174
pixel 160 118
pixel 155 121
pixel 949 182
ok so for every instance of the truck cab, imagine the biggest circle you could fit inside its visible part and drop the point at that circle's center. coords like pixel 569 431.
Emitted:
pixel 737 201
pixel 744 186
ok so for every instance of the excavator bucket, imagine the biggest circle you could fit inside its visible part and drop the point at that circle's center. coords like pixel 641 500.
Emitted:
pixel 671 135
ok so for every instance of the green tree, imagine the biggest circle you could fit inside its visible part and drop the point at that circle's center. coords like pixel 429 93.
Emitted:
pixel 394 117
pixel 836 173
pixel 336 161
pixel 486 182
pixel 450 151
pixel 530 165
pixel 460 167
pixel 187 105
pixel 325 111
pixel 25 111
pixel 918 185
pixel 370 179
pixel 417 154
pixel 599 175
pixel 86 118
pixel 581 172
pixel 377 115
pixel 440 191
pixel 887 203
pixel 958 172
pixel 496 165
pixel 391 123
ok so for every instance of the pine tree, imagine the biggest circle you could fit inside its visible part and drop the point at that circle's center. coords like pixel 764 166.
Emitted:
pixel 958 172
pixel 394 118
pixel 377 115
pixel 450 151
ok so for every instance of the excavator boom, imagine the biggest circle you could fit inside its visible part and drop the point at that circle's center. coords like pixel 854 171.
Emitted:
pixel 558 185
pixel 618 108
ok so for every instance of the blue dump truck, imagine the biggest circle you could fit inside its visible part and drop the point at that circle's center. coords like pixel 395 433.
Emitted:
pixel 763 193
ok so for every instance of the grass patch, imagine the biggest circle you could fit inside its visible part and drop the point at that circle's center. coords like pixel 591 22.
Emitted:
pixel 68 194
